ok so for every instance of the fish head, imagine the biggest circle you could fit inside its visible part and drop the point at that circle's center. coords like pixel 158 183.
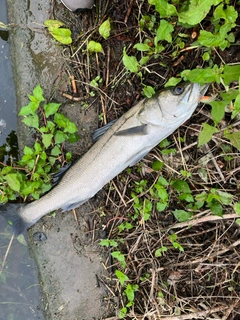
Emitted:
pixel 180 101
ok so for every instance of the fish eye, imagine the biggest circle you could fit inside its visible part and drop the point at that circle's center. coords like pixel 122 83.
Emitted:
pixel 178 90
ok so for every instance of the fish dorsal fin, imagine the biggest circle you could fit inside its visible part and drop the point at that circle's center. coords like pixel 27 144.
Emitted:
pixel 100 131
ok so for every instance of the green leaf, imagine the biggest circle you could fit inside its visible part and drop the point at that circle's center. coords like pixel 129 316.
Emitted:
pixel 231 73
pixel 236 208
pixel 218 110
pixel 181 186
pixel 105 29
pixel 197 11
pixel 164 32
pixel 121 277
pixel 157 165
pixel 236 109
pixel 234 138
pixel 47 140
pixel 206 134
pixel 53 24
pixel 122 313
pixel 60 137
pixel 142 47
pixel 216 207
pixel 62 35
pixel 94 46
pixel 51 108
pixel 31 121
pixel 130 62
pixel 148 91
pixel 38 93
pixel 13 182
pixel 172 82
pixel 56 151
pixel 202 76
pixel 130 290
pixel 164 8
pixel 182 215
pixel 120 257
pixel 159 252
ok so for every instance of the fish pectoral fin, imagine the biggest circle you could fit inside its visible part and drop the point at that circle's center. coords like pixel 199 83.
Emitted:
pixel 100 131
pixel 138 130
pixel 137 157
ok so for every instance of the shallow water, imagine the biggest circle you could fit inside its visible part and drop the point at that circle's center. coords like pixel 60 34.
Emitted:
pixel 8 117
pixel 20 289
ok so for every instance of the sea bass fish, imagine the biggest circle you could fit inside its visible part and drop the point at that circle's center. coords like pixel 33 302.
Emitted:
pixel 123 144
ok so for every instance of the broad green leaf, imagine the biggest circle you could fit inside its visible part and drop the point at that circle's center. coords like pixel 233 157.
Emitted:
pixel 231 73
pixel 13 181
pixel 164 32
pixel 148 91
pixel 164 8
pixel 216 207
pixel 182 215
pixel 47 140
pixel 206 134
pixel 225 197
pixel 62 35
pixel 121 277
pixel 27 150
pixel 94 46
pixel 30 109
pixel 51 108
pixel 208 39
pixel 196 12
pixel 105 29
pixel 218 110
pixel 234 138
pixel 130 62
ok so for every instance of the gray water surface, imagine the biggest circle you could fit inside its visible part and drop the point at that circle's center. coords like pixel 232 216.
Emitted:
pixel 8 117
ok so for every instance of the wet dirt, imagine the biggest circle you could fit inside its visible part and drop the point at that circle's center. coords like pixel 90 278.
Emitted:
pixel 69 260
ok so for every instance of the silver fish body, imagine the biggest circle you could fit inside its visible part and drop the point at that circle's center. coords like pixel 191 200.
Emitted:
pixel 126 142
pixel 74 5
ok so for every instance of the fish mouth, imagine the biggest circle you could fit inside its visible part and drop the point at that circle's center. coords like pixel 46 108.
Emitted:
pixel 204 89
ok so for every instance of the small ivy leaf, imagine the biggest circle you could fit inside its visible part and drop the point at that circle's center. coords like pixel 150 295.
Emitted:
pixel 94 46
pixel 38 93
pixel 234 138
pixel 105 29
pixel 60 137
pixel 206 134
pixel 130 62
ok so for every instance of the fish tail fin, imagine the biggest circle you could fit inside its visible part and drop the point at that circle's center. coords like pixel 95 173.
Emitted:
pixel 11 212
